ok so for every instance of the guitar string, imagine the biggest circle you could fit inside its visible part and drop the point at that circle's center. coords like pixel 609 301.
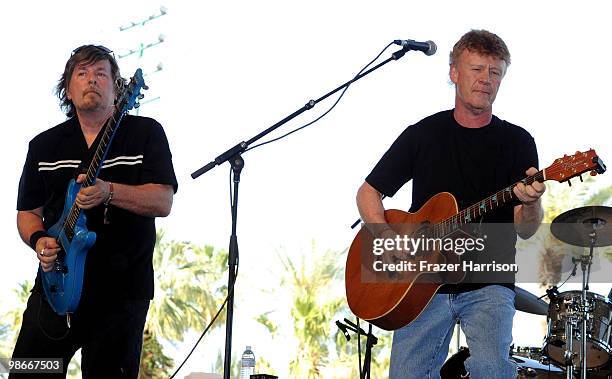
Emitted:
pixel 75 210
pixel 480 208
pixel 74 213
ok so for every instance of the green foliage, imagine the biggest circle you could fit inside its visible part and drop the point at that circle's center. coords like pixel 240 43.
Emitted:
pixel 264 320
pixel 314 307
pixel 315 287
pixel 154 363
pixel 188 292
pixel 10 322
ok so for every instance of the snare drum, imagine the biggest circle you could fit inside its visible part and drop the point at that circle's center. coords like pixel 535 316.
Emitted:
pixel 565 306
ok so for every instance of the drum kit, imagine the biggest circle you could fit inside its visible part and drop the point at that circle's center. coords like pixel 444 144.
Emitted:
pixel 578 343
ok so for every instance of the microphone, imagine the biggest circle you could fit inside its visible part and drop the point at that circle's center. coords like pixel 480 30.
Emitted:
pixel 342 327
pixel 553 293
pixel 429 47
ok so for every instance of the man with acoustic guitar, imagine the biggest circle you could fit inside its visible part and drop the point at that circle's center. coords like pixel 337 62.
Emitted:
pixel 135 184
pixel 470 153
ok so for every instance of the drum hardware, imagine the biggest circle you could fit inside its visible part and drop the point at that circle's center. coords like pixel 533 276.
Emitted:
pixel 585 227
pixel 563 329
pixel 568 355
pixel 454 367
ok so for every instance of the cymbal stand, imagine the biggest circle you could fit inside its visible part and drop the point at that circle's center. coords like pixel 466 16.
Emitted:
pixel 570 323
pixel 585 306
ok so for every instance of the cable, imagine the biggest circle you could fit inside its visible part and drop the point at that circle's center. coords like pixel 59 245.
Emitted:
pixel 359 346
pixel 230 290
pixel 40 303
pixel 573 273
pixel 327 111
pixel 230 188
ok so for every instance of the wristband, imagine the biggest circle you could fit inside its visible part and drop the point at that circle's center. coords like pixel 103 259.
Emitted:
pixel 36 236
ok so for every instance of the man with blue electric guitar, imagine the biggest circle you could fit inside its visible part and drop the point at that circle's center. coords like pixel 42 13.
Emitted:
pixel 88 196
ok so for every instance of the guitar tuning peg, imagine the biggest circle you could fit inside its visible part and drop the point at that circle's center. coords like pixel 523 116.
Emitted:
pixel 145 87
pixel 141 96
pixel 569 182
pixel 136 105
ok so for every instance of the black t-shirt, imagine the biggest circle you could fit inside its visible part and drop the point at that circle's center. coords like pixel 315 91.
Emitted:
pixel 119 265
pixel 440 155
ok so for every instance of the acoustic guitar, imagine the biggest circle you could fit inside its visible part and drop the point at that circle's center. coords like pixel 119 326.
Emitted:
pixel 392 304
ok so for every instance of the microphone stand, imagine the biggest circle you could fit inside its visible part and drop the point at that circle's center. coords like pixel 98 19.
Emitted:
pixel 233 155
pixel 371 340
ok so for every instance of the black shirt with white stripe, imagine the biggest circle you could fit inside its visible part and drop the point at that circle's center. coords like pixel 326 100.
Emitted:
pixel 119 265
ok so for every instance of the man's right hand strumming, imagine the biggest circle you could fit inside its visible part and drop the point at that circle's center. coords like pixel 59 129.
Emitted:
pixel 46 252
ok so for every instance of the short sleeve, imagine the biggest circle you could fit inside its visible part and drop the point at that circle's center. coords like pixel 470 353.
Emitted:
pixel 395 168
pixel 157 160
pixel 31 186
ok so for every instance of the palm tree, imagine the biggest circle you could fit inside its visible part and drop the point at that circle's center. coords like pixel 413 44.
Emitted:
pixel 315 284
pixel 11 321
pixel 314 307
pixel 188 292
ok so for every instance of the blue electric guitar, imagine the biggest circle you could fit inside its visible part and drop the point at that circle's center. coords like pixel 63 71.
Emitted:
pixel 64 282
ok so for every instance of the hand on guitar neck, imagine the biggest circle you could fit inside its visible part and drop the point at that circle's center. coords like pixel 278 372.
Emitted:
pixel 93 195
pixel 528 215
pixel 531 193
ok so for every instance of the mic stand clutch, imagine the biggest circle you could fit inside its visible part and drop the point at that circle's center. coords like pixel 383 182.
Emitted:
pixel 234 156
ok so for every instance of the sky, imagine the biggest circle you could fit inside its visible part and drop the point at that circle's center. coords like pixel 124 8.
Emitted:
pixel 232 69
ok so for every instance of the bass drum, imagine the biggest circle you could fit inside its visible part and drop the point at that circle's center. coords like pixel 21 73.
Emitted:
pixel 454 367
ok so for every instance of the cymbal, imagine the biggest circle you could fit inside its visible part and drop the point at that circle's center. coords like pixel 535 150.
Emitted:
pixel 527 302
pixel 574 226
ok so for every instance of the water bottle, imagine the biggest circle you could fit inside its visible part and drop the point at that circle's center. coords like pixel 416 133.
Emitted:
pixel 247 364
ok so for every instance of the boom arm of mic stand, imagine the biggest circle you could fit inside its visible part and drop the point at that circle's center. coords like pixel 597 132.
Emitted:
pixel 242 146
pixel 234 154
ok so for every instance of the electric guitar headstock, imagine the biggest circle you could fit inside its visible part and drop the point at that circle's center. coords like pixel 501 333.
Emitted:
pixel 131 93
